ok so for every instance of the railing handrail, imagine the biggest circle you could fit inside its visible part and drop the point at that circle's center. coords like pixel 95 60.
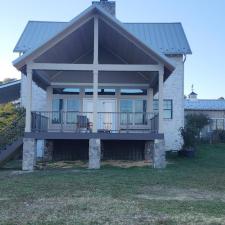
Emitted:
pixel 107 121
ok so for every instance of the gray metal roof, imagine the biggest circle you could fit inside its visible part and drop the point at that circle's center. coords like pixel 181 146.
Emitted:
pixel 204 104
pixel 167 38
pixel 10 91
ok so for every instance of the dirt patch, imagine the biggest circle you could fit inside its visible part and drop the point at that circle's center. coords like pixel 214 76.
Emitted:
pixel 82 164
pixel 125 164
pixel 168 194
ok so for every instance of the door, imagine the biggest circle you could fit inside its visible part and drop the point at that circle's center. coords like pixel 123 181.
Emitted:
pixel 106 113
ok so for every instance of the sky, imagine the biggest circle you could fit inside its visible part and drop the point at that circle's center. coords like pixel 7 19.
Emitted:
pixel 203 22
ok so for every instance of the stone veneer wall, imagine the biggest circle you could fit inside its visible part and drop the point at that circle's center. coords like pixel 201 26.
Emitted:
pixel 174 89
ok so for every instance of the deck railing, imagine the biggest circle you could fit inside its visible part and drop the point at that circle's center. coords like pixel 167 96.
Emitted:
pixel 82 122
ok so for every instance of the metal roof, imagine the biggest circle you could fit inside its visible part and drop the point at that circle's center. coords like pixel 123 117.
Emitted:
pixel 10 91
pixel 204 104
pixel 167 38
pixel 19 62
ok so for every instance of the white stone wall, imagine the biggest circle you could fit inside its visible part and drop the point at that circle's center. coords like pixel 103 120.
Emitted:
pixel 39 96
pixel 174 89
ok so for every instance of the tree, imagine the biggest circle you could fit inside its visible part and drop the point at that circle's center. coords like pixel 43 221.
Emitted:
pixel 8 114
pixel 7 80
pixel 194 123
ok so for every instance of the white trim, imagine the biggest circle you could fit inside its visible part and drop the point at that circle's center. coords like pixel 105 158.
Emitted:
pixel 61 85
pixel 91 67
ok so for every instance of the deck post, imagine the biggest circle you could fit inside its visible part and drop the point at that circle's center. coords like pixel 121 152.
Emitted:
pixel 95 100
pixel 159 154
pixel 160 96
pixel 29 154
pixel 94 153
pixel 95 76
pixel 29 100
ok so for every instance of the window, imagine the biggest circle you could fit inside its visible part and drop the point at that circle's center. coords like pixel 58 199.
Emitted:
pixel 217 124
pixel 57 107
pixel 103 91
pixel 167 107
pixel 73 107
pixel 133 92
pixel 66 91
pixel 133 111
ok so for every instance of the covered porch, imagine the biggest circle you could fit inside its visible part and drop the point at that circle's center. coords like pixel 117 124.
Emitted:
pixel 100 82
pixel 106 85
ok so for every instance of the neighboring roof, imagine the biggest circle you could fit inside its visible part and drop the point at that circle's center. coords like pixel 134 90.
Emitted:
pixel 204 104
pixel 193 93
pixel 167 38
pixel 10 91
pixel 21 61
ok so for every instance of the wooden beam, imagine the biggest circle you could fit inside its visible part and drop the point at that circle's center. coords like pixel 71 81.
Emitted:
pixel 95 100
pixel 128 68
pixel 96 40
pixel 91 67
pixel 160 96
pixel 28 100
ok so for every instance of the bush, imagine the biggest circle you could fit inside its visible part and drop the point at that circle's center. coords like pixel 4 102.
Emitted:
pixel 194 123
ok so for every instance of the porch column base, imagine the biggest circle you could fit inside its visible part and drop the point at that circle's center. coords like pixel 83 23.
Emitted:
pixel 29 154
pixel 48 151
pixel 94 153
pixel 159 155
pixel 149 147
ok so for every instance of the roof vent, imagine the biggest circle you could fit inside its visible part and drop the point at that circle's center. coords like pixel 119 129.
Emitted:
pixel 109 6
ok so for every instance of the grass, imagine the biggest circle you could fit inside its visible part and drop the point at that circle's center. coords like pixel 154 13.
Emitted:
pixel 188 191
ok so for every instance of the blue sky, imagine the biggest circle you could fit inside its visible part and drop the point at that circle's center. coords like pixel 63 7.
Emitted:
pixel 203 22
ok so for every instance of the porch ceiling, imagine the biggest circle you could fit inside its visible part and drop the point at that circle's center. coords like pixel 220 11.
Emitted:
pixel 72 48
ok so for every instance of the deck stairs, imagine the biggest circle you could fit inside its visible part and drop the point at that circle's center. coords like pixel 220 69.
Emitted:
pixel 11 140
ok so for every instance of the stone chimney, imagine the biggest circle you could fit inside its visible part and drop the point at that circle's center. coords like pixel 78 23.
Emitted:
pixel 109 6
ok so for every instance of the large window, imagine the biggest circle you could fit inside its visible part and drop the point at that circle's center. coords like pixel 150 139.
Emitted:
pixel 57 107
pixel 133 111
pixel 73 107
pixel 167 107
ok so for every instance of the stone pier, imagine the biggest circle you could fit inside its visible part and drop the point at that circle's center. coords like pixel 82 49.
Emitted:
pixel 159 154
pixel 94 153
pixel 155 153
pixel 29 154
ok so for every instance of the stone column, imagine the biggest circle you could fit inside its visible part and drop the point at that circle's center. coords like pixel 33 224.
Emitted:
pixel 159 155
pixel 48 151
pixel 29 154
pixel 149 147
pixel 94 153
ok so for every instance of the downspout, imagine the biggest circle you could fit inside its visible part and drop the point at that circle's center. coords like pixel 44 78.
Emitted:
pixel 185 57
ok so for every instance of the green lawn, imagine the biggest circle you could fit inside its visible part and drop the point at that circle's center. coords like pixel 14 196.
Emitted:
pixel 189 191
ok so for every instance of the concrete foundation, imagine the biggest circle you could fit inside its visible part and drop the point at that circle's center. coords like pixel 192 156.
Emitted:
pixel 94 153
pixel 29 154
pixel 159 154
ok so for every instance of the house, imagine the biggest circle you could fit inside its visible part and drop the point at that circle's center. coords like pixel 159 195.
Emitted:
pixel 95 87
pixel 213 108
pixel 10 92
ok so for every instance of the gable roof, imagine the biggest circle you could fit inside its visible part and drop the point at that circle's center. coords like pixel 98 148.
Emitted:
pixel 204 104
pixel 167 38
pixel 19 62
pixel 10 91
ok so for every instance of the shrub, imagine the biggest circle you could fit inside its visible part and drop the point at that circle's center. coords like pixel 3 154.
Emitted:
pixel 194 123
